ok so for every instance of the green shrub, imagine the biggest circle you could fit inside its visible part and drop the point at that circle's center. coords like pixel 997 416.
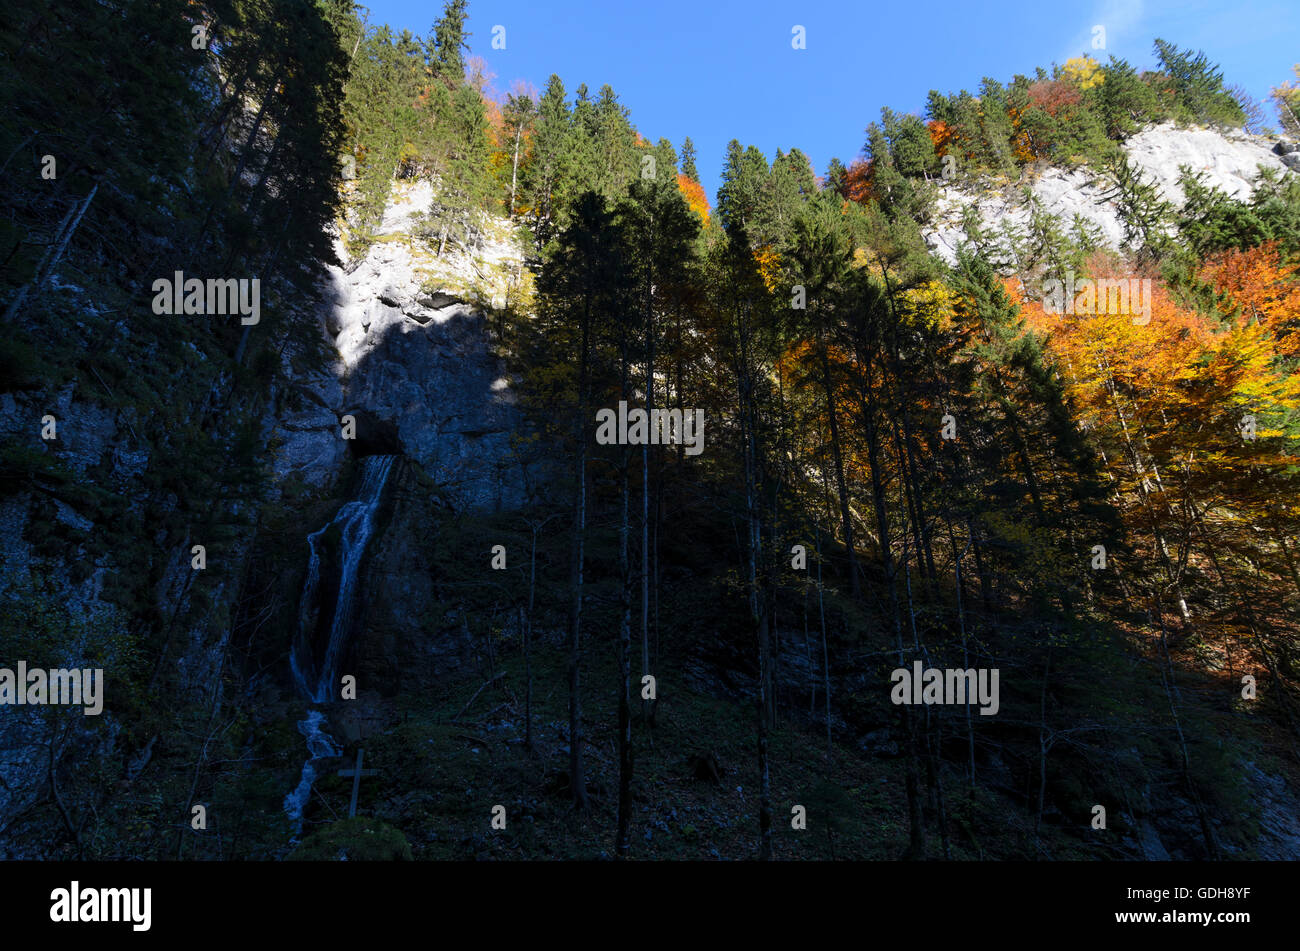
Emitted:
pixel 354 840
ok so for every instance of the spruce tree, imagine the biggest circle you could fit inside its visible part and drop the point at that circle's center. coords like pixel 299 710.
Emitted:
pixel 546 180
pixel 744 177
pixel 449 38
pixel 910 144
pixel 1123 100
pixel 688 160
pixel 835 175
pixel 995 128
pixel 1198 86
pixel 1143 212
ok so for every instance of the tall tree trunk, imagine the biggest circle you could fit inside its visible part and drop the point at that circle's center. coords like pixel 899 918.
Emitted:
pixel 1171 693
pixel 915 814
pixel 514 170
pixel 622 843
pixel 965 650
pixel 757 600
pixel 1044 742
pixel 926 545
pixel 826 658
pixel 909 496
pixel 50 260
pixel 576 778
pixel 846 519
pixel 201 237
pixel 645 491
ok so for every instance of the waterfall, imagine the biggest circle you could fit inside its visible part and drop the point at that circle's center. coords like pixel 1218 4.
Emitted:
pixel 355 522
pixel 321 746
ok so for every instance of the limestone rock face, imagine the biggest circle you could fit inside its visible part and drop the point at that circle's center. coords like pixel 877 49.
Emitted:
pixel 307 431
pixel 403 642
pixel 408 357
pixel 415 369
pixel 1229 160
pixel 420 359
pixel 413 358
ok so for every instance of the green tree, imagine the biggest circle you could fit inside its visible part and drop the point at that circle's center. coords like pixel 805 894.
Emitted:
pixel 1198 86
pixel 744 176
pixel 835 174
pixel 910 144
pixel 547 178
pixel 1145 215
pixel 449 38
pixel 579 284
pixel 688 160
pixel 994 151
pixel 519 115
pixel 1123 101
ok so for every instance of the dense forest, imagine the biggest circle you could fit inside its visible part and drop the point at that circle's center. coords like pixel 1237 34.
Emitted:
pixel 902 461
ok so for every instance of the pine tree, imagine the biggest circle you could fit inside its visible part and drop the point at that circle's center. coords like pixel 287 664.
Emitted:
pixel 1123 100
pixel 1198 86
pixel 546 180
pixel 910 144
pixel 449 38
pixel 688 160
pixel 1145 215
pixel 744 176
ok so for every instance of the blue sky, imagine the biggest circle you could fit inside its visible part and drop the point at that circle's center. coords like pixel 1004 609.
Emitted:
pixel 722 70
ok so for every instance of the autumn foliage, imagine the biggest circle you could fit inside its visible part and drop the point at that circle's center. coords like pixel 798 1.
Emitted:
pixel 1189 418
pixel 940 135
pixel 694 194
pixel 1055 95
pixel 858 182
pixel 769 266
pixel 1264 288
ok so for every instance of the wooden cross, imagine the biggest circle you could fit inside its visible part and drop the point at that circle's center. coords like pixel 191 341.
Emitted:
pixel 356 774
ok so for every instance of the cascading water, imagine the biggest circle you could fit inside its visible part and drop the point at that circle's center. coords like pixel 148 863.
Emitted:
pixel 321 746
pixel 355 523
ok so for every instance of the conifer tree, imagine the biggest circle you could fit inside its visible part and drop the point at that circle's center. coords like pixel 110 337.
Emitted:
pixel 910 144
pixel 744 177
pixel 1144 213
pixel 547 178
pixel 688 160
pixel 1123 100
pixel 1198 86
pixel 579 285
pixel 449 38
pixel 835 177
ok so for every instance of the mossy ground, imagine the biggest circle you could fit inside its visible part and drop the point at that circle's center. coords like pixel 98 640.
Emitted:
pixel 439 779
